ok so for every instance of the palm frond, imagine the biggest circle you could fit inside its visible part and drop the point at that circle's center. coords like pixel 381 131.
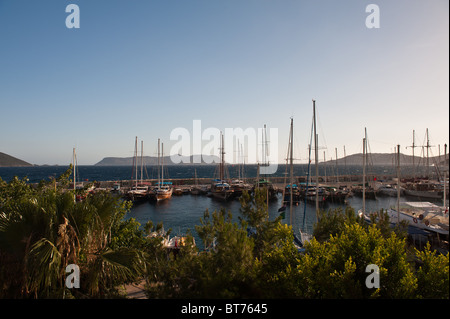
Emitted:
pixel 44 266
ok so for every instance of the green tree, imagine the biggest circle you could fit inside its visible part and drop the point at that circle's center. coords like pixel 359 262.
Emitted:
pixel 337 268
pixel 432 274
pixel 332 222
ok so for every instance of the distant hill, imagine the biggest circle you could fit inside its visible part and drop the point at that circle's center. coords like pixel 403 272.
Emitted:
pixel 383 159
pixel 10 161
pixel 150 160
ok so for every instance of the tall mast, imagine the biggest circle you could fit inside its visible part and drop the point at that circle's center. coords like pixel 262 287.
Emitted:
pixel 74 169
pixel 159 165
pixel 337 174
pixel 142 159
pixel 239 160
pixel 243 163
pixel 316 150
pixel 428 162
pixel 265 146
pixel 398 183
pixel 291 173
pixel 364 175
pixel 445 176
pixel 413 146
pixel 222 153
pixel 162 164
pixel 135 156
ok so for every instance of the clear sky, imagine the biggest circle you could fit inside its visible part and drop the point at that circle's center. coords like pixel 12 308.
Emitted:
pixel 145 67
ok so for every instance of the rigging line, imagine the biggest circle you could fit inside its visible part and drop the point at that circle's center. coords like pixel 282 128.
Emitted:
pixel 307 176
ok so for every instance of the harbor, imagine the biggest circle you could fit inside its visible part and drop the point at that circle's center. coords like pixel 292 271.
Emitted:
pixel 232 150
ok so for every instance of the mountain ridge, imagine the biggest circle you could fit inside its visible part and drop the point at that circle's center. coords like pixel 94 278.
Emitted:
pixel 377 159
pixel 150 160
pixel 11 161
pixel 382 159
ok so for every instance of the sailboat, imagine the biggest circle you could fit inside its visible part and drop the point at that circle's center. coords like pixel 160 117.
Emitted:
pixel 198 189
pixel 238 185
pixel 164 189
pixel 366 191
pixel 298 242
pixel 291 193
pixel 138 192
pixel 261 181
pixel 305 236
pixel 220 189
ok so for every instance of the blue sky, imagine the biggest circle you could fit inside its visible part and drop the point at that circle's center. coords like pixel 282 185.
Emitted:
pixel 143 68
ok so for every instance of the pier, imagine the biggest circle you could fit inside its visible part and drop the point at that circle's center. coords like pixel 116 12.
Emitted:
pixel 279 182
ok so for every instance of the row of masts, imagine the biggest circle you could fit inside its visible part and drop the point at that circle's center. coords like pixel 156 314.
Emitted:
pixel 135 163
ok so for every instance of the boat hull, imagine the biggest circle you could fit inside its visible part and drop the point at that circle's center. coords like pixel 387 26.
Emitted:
pixel 415 221
pixel 163 194
pixel 424 194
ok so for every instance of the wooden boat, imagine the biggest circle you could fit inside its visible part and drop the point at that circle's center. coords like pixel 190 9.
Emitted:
pixel 238 186
pixel 138 193
pixel 221 190
pixel 164 192
pixel 337 195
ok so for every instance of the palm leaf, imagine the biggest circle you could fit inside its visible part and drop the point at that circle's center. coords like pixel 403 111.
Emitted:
pixel 114 267
pixel 123 263
pixel 44 266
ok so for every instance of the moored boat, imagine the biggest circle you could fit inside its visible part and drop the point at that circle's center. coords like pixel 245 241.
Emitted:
pixel 163 190
pixel 138 193
pixel 221 190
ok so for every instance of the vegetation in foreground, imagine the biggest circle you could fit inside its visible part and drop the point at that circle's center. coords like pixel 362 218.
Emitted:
pixel 43 229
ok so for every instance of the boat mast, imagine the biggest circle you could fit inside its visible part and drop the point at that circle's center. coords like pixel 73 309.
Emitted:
pixel 142 159
pixel 222 153
pixel 428 161
pixel 364 175
pixel 316 158
pixel 337 174
pixel 162 163
pixel 291 173
pixel 398 183
pixel 243 163
pixel 74 169
pixel 445 176
pixel 135 159
pixel 413 146
pixel 159 166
